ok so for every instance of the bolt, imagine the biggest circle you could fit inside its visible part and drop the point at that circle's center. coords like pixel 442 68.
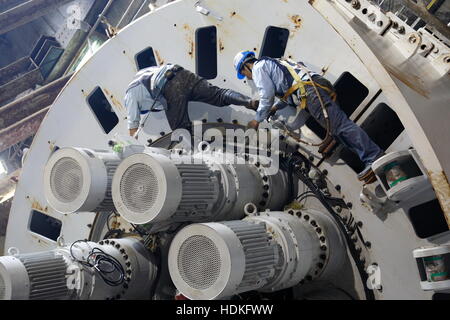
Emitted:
pixel 266 187
pixel 313 223
pixel 359 224
pixel 401 30
pixel 323 256
pixel 299 214
pixel 338 209
pixel 318 230
pixel 349 205
pixel 162 133
pixel 291 211
pixel 322 239
pixel 380 23
pixel 320 265
pixel 368 244
pixel 323 248
pixel 358 249
pixel 311 158
pixel 372 17
pixel 338 187
pixel 306 217
pixel 325 172
pixel 412 39
pixel 395 25
pixel 355 4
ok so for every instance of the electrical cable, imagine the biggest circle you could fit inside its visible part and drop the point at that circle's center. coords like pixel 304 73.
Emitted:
pixel 342 226
pixel 99 260
pixel 324 111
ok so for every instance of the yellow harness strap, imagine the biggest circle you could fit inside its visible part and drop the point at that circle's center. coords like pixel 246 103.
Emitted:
pixel 300 85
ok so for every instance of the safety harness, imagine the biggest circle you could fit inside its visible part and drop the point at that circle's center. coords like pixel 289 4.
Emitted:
pixel 299 84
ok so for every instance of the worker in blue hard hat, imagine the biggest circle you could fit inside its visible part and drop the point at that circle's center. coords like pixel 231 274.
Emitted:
pixel 296 86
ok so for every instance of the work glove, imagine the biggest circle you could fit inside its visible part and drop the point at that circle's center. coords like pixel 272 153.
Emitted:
pixel 254 104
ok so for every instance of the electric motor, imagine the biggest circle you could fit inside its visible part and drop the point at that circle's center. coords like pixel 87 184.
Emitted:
pixel 150 188
pixel 267 252
pixel 111 269
pixel 78 179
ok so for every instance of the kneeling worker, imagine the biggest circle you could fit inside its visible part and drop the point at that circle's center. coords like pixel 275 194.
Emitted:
pixel 169 88
pixel 291 83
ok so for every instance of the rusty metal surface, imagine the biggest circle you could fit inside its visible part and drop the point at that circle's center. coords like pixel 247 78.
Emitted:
pixel 19 85
pixel 14 69
pixel 30 104
pixel 21 130
pixel 26 12
pixel 442 189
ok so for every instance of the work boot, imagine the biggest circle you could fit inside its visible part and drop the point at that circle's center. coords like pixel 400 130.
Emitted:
pixel 367 175
pixel 238 99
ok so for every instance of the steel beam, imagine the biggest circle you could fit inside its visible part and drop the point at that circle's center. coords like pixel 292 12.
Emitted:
pixel 32 103
pixel 21 130
pixel 26 12
pixel 13 88
pixel 12 70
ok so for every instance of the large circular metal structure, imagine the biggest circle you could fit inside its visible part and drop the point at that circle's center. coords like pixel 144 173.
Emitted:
pixel 393 81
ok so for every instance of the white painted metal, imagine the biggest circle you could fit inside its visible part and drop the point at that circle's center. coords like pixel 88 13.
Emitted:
pixel 328 37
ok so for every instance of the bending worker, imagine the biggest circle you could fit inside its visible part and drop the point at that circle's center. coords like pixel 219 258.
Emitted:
pixel 290 82
pixel 169 88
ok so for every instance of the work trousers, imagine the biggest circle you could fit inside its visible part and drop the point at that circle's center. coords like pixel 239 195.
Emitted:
pixel 187 86
pixel 342 128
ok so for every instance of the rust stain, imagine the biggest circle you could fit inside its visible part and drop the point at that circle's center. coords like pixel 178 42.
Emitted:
pixel 35 205
pixel 442 189
pixel 235 15
pixel 311 2
pixel 191 46
pixel 297 20
pixel 114 100
pixel 158 58
pixel 189 39
pixel 221 47
pixel 412 81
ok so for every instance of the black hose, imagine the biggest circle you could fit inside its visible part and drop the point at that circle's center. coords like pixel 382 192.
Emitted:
pixel 343 228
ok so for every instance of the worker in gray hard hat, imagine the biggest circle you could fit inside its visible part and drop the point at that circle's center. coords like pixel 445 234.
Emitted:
pixel 294 85
pixel 169 88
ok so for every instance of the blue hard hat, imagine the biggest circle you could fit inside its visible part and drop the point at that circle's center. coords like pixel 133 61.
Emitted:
pixel 240 59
